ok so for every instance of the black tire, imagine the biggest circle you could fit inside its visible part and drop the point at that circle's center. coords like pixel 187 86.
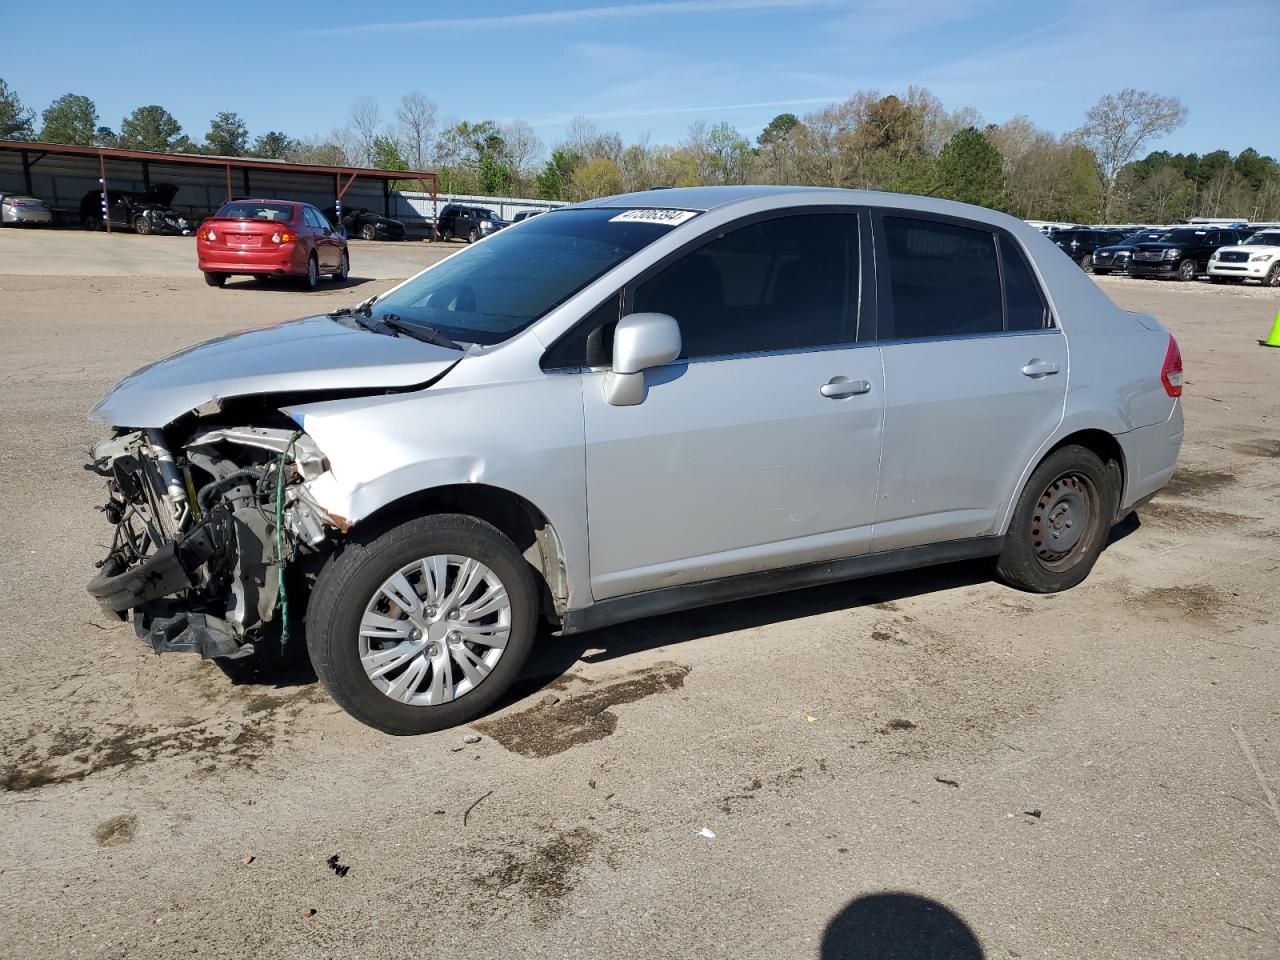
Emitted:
pixel 1272 279
pixel 369 232
pixel 473 236
pixel 1187 270
pixel 1042 552
pixel 141 226
pixel 344 268
pixel 311 279
pixel 352 578
pixel 215 279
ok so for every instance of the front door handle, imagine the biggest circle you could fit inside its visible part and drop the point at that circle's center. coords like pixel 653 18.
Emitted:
pixel 839 387
pixel 1037 368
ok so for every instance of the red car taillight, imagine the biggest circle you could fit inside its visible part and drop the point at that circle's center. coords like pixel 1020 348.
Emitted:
pixel 206 233
pixel 283 236
pixel 1171 371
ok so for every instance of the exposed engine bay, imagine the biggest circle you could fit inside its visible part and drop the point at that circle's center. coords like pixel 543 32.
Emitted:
pixel 203 531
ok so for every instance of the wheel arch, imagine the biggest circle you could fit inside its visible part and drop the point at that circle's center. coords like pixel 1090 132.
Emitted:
pixel 1101 441
pixel 516 517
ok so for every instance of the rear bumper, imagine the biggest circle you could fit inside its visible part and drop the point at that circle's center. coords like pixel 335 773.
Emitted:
pixel 1151 456
pixel 27 216
pixel 283 259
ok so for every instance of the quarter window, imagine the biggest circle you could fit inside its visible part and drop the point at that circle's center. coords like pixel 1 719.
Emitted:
pixel 779 284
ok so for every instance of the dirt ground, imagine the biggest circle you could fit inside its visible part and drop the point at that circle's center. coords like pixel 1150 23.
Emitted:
pixel 931 762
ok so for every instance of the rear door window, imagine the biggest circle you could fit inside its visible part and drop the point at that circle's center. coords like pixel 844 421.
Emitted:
pixel 944 281
pixel 783 283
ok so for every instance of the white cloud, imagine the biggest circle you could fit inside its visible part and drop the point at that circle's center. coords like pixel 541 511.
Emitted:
pixel 581 15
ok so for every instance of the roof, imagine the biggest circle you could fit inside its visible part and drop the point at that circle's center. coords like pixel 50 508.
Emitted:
pixel 700 198
pixel 202 160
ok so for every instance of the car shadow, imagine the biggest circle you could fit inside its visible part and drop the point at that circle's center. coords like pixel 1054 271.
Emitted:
pixel 898 926
pixel 553 656
pixel 293 284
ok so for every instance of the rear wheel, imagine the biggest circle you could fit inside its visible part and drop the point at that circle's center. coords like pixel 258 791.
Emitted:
pixel 312 278
pixel 344 268
pixel 215 279
pixel 1061 522
pixel 425 626
pixel 1187 270
pixel 446 234
pixel 141 225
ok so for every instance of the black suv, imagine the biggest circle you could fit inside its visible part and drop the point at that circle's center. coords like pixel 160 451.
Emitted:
pixel 467 223
pixel 1183 252
pixel 1115 258
pixel 1078 243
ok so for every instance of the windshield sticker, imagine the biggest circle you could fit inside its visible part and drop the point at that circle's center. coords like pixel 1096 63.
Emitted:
pixel 667 218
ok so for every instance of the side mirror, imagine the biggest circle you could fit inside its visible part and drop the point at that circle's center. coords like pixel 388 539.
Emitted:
pixel 640 341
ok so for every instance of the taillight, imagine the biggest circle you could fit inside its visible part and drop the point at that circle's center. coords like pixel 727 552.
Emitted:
pixel 283 236
pixel 207 234
pixel 1171 371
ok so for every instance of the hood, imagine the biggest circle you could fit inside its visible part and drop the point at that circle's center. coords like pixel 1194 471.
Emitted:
pixel 1251 248
pixel 317 354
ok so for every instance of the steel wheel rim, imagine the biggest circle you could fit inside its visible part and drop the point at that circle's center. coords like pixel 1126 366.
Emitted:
pixel 434 630
pixel 1062 522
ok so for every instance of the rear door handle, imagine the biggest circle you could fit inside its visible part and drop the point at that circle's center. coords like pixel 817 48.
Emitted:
pixel 1036 368
pixel 839 387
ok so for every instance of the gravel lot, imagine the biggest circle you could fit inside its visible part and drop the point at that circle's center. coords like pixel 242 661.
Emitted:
pixel 930 761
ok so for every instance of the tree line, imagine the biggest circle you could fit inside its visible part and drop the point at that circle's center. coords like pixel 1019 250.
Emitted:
pixel 904 142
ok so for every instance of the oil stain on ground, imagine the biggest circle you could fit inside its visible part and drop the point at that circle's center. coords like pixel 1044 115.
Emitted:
pixel 543 731
pixel 1193 482
pixel 542 874
pixel 1265 448
pixel 1198 601
pixel 116 830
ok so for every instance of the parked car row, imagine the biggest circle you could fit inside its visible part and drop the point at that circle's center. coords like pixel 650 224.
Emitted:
pixel 1224 254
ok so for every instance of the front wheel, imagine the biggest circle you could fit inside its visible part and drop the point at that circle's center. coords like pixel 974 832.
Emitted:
pixel 424 626
pixel 1272 278
pixel 1187 270
pixel 215 279
pixel 369 232
pixel 473 236
pixel 141 225
pixel 1086 263
pixel 1061 522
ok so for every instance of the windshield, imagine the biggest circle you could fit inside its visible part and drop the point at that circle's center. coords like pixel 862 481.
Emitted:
pixel 1270 238
pixel 490 292
pixel 1143 236
pixel 243 210
pixel 1182 236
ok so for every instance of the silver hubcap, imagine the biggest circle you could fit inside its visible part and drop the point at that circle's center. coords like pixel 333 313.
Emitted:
pixel 435 629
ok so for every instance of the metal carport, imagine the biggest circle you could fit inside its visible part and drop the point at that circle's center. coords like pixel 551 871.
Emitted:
pixel 61 174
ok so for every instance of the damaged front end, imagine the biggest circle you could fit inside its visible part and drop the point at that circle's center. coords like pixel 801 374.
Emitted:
pixel 203 530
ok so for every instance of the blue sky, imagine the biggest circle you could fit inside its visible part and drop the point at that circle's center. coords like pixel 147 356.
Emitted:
pixel 651 67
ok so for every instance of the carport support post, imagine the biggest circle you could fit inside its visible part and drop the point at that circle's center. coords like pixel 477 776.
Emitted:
pixel 228 181
pixel 146 176
pixel 386 198
pixel 26 172
pixel 102 179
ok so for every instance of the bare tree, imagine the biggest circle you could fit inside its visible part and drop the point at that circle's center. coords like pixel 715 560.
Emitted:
pixel 416 116
pixel 521 146
pixel 366 119
pixel 1119 125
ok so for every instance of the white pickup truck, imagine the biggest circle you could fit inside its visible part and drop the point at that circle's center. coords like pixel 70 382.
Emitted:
pixel 1258 258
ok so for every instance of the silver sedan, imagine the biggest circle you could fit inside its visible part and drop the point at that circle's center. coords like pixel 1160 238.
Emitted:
pixel 16 210
pixel 623 408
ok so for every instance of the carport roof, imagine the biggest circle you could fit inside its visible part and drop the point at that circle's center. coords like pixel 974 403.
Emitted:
pixel 204 160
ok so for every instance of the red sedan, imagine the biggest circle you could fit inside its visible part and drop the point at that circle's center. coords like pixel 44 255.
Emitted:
pixel 270 238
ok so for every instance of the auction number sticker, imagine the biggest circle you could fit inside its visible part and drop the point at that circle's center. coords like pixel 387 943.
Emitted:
pixel 667 218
